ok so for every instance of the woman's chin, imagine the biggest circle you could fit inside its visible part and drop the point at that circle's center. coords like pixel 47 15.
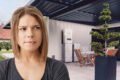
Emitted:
pixel 30 49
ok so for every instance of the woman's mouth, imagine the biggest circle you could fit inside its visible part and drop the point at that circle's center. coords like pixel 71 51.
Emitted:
pixel 30 42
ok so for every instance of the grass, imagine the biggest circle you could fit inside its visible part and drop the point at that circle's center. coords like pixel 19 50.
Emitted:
pixel 1 58
pixel 4 51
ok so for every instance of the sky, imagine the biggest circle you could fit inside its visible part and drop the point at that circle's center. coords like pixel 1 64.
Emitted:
pixel 7 7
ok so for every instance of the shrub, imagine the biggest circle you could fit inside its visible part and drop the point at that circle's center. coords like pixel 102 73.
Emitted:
pixel 6 45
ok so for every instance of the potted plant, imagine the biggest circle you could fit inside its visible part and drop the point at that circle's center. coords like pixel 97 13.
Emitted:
pixel 103 34
pixel 105 62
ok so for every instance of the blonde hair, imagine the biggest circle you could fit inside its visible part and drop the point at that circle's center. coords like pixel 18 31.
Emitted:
pixel 14 29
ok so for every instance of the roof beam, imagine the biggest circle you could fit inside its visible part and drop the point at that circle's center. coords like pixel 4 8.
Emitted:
pixel 76 21
pixel 58 2
pixel 72 7
pixel 35 2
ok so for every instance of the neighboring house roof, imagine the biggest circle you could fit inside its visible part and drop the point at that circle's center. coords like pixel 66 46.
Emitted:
pixel 4 33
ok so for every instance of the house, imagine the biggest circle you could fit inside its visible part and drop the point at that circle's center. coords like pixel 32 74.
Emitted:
pixel 4 34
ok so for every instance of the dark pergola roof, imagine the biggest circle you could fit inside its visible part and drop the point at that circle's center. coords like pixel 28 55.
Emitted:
pixel 78 11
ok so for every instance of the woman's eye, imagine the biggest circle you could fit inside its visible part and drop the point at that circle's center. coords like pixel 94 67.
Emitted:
pixel 37 27
pixel 23 29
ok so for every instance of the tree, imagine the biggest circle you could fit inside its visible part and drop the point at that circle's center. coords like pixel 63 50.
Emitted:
pixel 103 33
pixel 1 46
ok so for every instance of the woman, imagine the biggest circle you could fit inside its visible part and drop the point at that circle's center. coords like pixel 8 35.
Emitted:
pixel 30 47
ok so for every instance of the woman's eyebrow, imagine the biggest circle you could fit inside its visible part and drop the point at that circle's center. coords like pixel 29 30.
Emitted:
pixel 31 26
pixel 21 26
pixel 37 25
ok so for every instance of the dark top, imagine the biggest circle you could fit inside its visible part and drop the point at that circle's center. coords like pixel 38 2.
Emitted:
pixel 54 70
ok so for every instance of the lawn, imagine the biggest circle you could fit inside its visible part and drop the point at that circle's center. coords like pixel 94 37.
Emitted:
pixel 4 51
pixel 1 58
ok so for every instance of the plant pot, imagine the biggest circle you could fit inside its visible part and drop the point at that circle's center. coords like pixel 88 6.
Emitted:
pixel 111 52
pixel 105 68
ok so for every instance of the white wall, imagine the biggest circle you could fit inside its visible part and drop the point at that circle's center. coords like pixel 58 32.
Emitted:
pixel 80 35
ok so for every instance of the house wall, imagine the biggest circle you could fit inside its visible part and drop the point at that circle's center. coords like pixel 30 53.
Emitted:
pixel 80 34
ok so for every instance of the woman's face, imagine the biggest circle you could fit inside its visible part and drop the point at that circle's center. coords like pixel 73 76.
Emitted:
pixel 29 33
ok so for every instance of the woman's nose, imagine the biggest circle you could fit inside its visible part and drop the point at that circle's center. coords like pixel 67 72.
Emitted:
pixel 29 33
